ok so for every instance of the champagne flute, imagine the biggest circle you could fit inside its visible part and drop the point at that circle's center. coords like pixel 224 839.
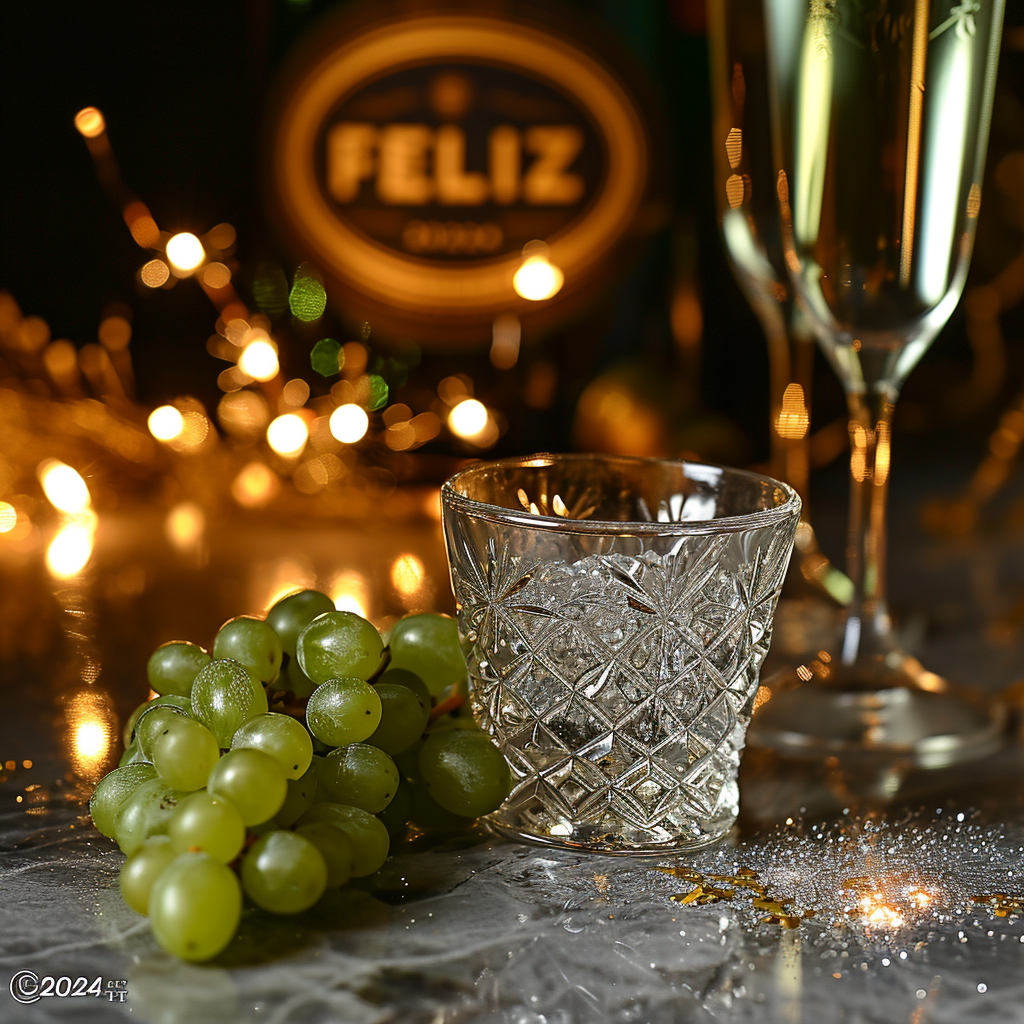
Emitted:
pixel 880 115
pixel 748 216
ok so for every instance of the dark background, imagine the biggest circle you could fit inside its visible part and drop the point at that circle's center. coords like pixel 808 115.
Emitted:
pixel 183 88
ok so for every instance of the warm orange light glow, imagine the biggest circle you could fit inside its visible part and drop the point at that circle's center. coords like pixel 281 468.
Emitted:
pixel 185 525
pixel 349 423
pixel 255 485
pixel 243 413
pixel 880 914
pixel 166 423
pixel 194 432
pixel 350 593
pixel 216 275
pixel 793 419
pixel 288 434
pixel 185 252
pixel 538 279
pixel 8 517
pixel 259 360
pixel 468 419
pixel 70 550
pixel 296 392
pixel 63 486
pixel 90 122
pixel 154 273
pixel 407 575
pixel 506 334
pixel 115 332
pixel 90 733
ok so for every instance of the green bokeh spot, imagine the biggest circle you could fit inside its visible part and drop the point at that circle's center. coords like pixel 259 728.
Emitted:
pixel 326 357
pixel 378 392
pixel 308 299
pixel 365 332
pixel 270 289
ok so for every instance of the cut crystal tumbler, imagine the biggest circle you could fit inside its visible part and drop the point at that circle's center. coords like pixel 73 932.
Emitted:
pixel 614 613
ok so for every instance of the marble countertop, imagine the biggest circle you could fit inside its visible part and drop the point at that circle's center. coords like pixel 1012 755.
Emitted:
pixel 827 904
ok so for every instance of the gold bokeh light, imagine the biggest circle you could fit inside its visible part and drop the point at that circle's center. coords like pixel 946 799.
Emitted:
pixel 90 122
pixel 8 517
pixel 538 279
pixel 349 423
pixel 166 423
pixel 185 525
pixel 259 360
pixel 70 550
pixel 91 732
pixel 185 252
pixel 64 487
pixel 350 593
pixel 288 434
pixel 468 419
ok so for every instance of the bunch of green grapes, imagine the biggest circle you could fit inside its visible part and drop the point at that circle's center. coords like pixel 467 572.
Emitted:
pixel 287 763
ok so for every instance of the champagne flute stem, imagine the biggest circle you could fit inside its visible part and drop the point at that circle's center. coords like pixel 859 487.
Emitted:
pixel 868 628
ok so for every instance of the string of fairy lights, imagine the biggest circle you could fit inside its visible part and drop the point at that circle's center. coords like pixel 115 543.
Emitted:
pixel 257 400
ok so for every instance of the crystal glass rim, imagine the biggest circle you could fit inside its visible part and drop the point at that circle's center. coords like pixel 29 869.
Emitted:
pixel 557 524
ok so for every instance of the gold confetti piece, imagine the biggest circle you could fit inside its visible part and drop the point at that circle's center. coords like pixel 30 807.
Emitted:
pixel 682 872
pixel 747 872
pixel 691 897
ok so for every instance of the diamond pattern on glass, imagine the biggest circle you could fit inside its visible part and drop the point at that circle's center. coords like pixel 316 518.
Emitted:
pixel 619 686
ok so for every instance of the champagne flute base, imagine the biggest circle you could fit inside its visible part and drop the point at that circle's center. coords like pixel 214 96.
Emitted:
pixel 886 707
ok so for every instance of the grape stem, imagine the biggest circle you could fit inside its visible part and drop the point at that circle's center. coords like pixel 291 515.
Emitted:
pixel 383 667
pixel 289 704
pixel 450 703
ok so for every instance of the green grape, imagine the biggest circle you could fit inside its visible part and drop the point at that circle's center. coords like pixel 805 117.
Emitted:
pixel 252 643
pixel 343 710
pixel 131 755
pixel 147 812
pixel 252 781
pixel 411 681
pixel 335 847
pixel 282 737
pixel 173 666
pixel 397 813
pixel 141 869
pixel 152 722
pixel 298 682
pixel 338 644
pixel 464 772
pixel 358 775
pixel 128 732
pixel 429 816
pixel 408 762
pixel 208 823
pixel 224 697
pixel 299 798
pixel 367 834
pixel 403 718
pixel 195 906
pixel 184 753
pixel 292 614
pixel 428 645
pixel 113 790
pixel 284 872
